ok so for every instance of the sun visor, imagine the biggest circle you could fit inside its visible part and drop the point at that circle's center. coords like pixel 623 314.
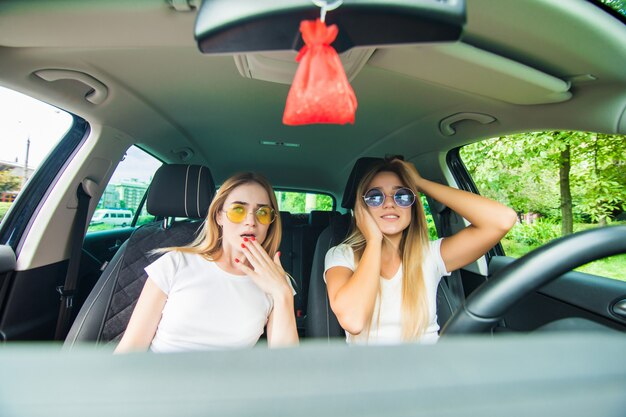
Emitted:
pixel 261 26
pixel 484 73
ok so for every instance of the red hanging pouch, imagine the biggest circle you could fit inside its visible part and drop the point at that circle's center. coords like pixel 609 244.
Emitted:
pixel 320 92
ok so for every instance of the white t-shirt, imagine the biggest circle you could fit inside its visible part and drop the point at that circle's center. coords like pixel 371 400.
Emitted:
pixel 389 301
pixel 206 308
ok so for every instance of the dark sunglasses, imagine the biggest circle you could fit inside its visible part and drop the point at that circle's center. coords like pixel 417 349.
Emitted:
pixel 237 213
pixel 403 197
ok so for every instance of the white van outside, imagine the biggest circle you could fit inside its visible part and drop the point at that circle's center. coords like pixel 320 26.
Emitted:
pixel 116 217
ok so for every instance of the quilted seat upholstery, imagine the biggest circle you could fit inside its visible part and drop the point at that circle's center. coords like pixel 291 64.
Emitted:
pixel 107 310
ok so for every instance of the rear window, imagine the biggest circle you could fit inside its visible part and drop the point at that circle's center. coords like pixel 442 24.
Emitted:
pixel 304 202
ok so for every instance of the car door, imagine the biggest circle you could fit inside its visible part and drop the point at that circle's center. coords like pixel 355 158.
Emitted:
pixel 31 130
pixel 30 278
pixel 574 301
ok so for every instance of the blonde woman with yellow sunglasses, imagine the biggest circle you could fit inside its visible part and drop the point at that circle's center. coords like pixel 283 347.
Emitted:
pixel 224 288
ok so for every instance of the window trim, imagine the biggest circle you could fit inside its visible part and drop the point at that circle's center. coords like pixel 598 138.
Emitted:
pixel 465 182
pixel 30 200
pixel 144 198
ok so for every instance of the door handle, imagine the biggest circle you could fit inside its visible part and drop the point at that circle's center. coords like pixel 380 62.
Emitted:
pixel 116 246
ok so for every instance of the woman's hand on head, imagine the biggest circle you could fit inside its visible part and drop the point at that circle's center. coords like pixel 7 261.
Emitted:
pixel 367 225
pixel 266 272
pixel 417 178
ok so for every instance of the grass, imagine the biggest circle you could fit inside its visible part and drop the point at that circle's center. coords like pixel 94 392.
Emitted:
pixel 102 226
pixel 99 227
pixel 612 267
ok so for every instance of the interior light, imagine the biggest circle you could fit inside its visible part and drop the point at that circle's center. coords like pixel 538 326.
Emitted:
pixel 274 143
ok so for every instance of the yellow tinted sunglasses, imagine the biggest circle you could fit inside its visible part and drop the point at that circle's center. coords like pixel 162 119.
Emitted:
pixel 237 213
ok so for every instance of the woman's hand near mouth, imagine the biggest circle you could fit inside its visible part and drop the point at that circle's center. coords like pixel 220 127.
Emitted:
pixel 268 274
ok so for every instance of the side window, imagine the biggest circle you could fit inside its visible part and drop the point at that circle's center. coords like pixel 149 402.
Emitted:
pixel 559 183
pixel 430 222
pixel 124 193
pixel 29 129
pixel 302 202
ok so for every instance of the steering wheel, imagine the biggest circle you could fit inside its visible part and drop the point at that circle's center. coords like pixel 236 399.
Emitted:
pixel 486 306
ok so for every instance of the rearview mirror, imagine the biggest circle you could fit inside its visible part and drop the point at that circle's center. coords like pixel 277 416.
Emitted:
pixel 227 26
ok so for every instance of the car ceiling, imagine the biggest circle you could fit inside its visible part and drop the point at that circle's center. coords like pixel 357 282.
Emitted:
pixel 167 95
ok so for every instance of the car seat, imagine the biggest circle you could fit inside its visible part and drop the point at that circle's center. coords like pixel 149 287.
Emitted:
pixel 177 191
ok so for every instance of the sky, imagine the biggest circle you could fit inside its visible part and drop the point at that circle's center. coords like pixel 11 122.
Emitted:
pixel 22 117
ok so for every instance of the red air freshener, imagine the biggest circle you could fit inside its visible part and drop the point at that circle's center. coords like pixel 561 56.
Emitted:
pixel 320 92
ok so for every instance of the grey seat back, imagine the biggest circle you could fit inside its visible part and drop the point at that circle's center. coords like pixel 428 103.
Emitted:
pixel 321 322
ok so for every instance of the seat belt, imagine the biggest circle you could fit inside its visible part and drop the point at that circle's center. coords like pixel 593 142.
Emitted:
pixel 454 281
pixel 68 290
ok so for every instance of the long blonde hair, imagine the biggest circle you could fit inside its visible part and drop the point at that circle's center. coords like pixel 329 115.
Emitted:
pixel 413 244
pixel 208 243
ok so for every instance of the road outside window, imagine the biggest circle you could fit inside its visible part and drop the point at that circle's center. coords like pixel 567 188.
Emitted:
pixel 559 183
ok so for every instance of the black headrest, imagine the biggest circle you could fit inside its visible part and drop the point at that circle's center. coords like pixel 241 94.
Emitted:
pixel 361 167
pixel 181 190
pixel 319 218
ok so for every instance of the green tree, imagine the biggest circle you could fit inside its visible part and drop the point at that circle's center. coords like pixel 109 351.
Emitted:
pixel 293 202
pixel 561 175
pixel 599 176
pixel 515 171
pixel 565 165
pixel 617 5
pixel 323 202
pixel 9 182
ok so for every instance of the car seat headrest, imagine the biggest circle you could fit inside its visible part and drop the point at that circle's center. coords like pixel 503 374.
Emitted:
pixel 319 218
pixel 361 167
pixel 181 190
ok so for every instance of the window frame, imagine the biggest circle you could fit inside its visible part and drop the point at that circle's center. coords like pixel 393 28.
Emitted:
pixel 465 182
pixel 19 218
pixel 134 218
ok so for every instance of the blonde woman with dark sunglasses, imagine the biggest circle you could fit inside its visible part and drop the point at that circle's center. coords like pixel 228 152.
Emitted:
pixel 382 281
pixel 223 289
